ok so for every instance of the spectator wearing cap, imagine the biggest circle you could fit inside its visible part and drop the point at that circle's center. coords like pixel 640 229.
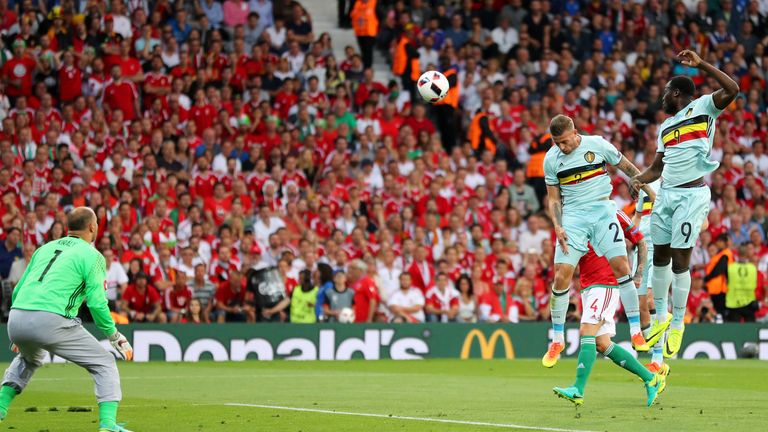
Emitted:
pixel 141 301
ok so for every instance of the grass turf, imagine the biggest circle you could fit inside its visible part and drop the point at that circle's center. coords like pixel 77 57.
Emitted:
pixel 702 395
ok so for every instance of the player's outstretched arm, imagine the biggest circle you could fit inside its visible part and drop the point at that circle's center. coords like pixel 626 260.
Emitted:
pixel 729 88
pixel 555 205
pixel 651 174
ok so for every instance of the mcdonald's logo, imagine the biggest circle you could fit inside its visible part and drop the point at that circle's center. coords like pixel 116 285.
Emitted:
pixel 487 346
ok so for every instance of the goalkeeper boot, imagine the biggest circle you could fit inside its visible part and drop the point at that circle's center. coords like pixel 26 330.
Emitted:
pixel 553 353
pixel 655 387
pixel 639 344
pixel 116 428
pixel 570 393
pixel 674 340
pixel 657 330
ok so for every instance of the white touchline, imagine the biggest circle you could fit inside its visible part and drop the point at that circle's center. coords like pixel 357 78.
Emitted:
pixel 397 417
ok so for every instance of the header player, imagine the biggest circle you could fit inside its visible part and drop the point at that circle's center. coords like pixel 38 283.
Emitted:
pixel 60 276
pixel 682 160
pixel 579 190
pixel 599 302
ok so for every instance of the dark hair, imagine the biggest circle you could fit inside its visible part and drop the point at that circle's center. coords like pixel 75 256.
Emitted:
pixel 78 219
pixel 326 273
pixel 469 281
pixel 683 84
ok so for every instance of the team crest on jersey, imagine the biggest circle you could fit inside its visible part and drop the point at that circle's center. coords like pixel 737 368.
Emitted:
pixel 589 157
pixel 689 112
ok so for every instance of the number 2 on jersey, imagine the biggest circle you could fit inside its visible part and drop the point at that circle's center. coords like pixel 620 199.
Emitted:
pixel 56 254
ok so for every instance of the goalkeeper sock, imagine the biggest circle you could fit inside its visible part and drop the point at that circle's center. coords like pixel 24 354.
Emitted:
pixel 681 285
pixel 631 303
pixel 558 307
pixel 623 358
pixel 7 393
pixel 661 277
pixel 108 414
pixel 587 356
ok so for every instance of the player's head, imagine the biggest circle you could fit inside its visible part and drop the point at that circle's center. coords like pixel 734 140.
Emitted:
pixel 564 133
pixel 82 222
pixel 677 93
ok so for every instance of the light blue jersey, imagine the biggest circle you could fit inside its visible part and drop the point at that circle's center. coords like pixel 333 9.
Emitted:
pixel 581 175
pixel 686 141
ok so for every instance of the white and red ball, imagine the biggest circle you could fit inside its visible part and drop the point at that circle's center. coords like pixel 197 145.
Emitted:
pixel 433 86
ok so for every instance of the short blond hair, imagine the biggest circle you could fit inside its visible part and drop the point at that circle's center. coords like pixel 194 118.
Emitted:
pixel 560 124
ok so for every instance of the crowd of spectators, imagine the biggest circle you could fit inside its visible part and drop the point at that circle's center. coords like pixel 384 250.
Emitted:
pixel 241 172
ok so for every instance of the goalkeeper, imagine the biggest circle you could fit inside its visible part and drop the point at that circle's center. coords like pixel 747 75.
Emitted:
pixel 60 276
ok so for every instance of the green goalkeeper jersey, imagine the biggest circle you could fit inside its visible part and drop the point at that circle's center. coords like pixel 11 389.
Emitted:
pixel 60 276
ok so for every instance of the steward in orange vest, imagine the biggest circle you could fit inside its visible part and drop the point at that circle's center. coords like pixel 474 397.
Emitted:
pixel 717 273
pixel 366 26
pixel 481 135
pixel 535 167
pixel 405 61
pixel 445 110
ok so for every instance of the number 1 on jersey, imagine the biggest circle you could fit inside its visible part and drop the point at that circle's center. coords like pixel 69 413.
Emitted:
pixel 56 254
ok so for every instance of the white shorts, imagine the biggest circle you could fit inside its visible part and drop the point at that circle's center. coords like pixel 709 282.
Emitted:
pixel 599 304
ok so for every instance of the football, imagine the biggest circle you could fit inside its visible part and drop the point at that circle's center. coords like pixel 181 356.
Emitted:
pixel 433 86
pixel 347 315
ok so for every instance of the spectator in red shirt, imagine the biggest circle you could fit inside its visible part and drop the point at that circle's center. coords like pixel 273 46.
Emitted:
pixel 121 95
pixel 422 272
pixel 366 292
pixel 142 301
pixel 178 298
pixel 18 71
pixel 231 304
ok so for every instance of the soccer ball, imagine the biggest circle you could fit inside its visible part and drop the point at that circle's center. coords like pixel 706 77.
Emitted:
pixel 433 86
pixel 346 316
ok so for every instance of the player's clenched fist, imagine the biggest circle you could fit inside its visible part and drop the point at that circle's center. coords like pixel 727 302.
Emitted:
pixel 121 344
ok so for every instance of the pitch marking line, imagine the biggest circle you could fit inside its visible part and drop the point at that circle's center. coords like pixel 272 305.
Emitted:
pixel 397 417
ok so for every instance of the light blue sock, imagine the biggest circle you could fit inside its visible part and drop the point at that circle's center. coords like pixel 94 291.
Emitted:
pixel 657 352
pixel 661 277
pixel 681 285
pixel 558 307
pixel 631 303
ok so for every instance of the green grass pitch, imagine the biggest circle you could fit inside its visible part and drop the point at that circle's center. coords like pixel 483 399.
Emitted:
pixel 435 395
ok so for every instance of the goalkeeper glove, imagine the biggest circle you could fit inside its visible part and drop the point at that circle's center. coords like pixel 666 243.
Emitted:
pixel 122 346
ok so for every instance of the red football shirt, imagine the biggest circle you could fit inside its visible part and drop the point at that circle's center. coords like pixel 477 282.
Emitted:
pixel 365 293
pixel 71 83
pixel 121 96
pixel 141 302
pixel 19 69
